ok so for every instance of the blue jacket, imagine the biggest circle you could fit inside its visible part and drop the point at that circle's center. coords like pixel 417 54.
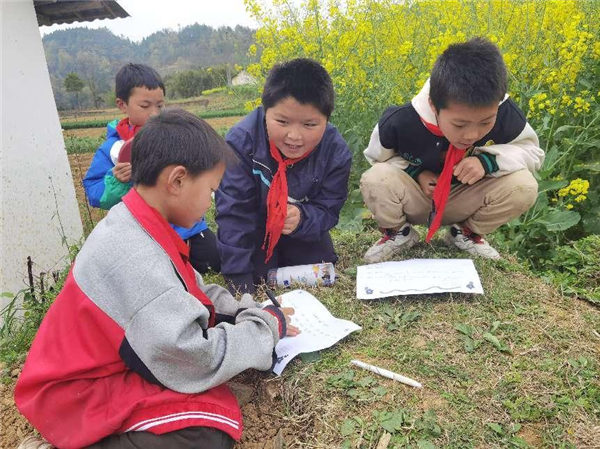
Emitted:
pixel 318 185
pixel 102 164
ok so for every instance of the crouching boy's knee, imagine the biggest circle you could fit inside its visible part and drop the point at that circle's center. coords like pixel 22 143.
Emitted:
pixel 524 192
pixel 380 173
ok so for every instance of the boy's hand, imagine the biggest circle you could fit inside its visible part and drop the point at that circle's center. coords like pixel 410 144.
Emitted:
pixel 427 180
pixel 122 171
pixel 292 220
pixel 292 331
pixel 469 170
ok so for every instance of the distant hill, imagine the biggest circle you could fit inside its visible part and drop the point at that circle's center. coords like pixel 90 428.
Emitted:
pixel 96 55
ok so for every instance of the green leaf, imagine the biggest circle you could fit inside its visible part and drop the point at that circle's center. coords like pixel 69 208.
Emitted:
pixel 560 220
pixel 496 428
pixel 465 329
pixel 563 128
pixel 380 391
pixel 366 381
pixel 409 317
pixel 591 225
pixel 494 327
pixel 348 427
pixel 7 295
pixel 425 444
pixel 469 344
pixel 392 421
pixel 343 380
pixel 595 167
pixel 495 342
pixel 551 185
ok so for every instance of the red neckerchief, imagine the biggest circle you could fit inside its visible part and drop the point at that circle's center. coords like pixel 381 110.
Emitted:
pixel 159 229
pixel 442 189
pixel 277 200
pixel 125 130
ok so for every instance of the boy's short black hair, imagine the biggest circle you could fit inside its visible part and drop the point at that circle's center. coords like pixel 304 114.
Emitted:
pixel 132 75
pixel 176 137
pixel 305 80
pixel 471 73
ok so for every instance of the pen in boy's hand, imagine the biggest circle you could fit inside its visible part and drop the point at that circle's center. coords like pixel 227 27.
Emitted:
pixel 272 298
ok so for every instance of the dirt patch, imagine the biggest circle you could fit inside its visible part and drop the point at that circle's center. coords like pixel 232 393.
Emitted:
pixel 85 132
pixel 223 122
pixel 532 435
pixel 13 426
pixel 264 426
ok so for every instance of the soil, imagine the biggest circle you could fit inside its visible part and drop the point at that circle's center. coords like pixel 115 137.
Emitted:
pixel 261 410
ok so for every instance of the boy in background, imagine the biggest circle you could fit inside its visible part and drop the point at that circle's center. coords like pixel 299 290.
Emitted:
pixel 140 95
pixel 277 206
pixel 136 349
pixel 461 153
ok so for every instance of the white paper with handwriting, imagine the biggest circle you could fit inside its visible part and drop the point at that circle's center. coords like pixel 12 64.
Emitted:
pixel 417 277
pixel 320 329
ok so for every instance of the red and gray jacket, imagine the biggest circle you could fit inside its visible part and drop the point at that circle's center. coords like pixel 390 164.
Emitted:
pixel 136 342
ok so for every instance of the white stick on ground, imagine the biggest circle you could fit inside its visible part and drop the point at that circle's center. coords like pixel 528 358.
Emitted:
pixel 386 373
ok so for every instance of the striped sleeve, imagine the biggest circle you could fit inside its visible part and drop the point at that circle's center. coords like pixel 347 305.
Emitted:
pixel 488 161
pixel 414 171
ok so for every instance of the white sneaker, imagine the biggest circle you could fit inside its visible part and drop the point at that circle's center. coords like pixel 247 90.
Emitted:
pixel 391 244
pixel 465 239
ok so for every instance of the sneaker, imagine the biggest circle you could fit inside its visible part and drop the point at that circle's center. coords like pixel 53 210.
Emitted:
pixel 34 442
pixel 463 238
pixel 391 244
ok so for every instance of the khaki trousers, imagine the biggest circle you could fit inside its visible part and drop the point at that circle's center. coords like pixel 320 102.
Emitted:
pixel 394 198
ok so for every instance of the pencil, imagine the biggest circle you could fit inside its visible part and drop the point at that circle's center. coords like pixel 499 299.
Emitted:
pixel 272 298
pixel 386 373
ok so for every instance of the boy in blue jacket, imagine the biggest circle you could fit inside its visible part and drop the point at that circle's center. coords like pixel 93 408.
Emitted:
pixel 140 95
pixel 277 206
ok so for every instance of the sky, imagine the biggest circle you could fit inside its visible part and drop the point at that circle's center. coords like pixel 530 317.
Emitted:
pixel 148 16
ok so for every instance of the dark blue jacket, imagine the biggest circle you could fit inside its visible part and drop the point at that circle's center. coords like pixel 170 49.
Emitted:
pixel 318 185
pixel 102 164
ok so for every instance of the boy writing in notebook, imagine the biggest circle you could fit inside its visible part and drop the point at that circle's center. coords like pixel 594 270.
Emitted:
pixel 136 349
pixel 461 154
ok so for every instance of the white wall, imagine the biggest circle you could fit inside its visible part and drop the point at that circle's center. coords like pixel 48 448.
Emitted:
pixel 37 193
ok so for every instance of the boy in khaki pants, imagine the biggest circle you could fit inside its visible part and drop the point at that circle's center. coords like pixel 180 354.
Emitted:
pixel 461 153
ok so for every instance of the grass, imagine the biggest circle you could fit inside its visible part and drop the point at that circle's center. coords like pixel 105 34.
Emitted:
pixel 515 367
pixel 529 376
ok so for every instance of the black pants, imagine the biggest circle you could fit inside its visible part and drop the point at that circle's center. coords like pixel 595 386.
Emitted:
pixel 188 438
pixel 288 252
pixel 204 255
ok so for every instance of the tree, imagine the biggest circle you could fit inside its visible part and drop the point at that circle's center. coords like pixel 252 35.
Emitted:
pixel 74 84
